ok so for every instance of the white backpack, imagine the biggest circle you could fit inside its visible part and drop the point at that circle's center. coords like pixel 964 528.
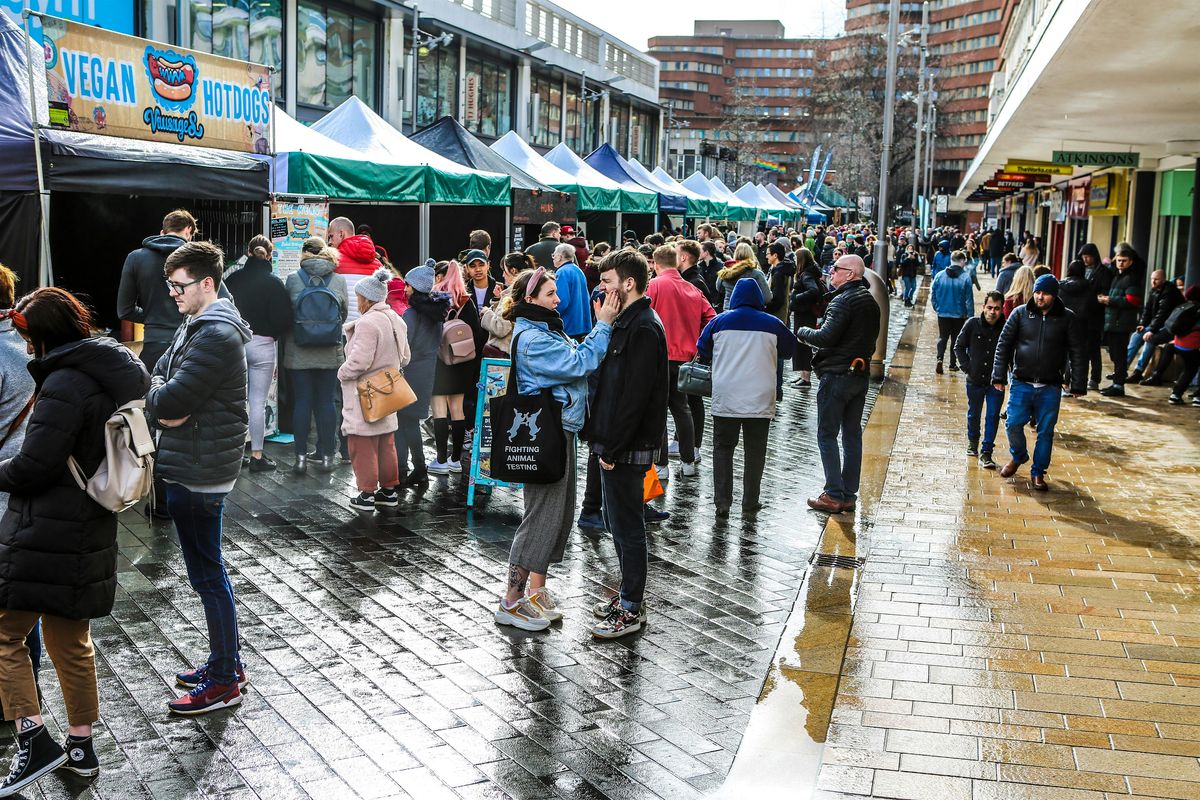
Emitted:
pixel 126 475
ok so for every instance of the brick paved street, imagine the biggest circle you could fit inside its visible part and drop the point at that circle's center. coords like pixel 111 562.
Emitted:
pixel 376 669
pixel 1012 645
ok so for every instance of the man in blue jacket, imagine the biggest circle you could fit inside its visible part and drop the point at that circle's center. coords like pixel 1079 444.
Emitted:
pixel 954 304
pixel 574 306
pixel 743 344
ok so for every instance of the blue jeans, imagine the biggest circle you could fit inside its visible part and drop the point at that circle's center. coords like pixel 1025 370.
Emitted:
pixel 197 517
pixel 622 491
pixel 314 391
pixel 840 402
pixel 1026 402
pixel 1135 342
pixel 910 287
pixel 976 397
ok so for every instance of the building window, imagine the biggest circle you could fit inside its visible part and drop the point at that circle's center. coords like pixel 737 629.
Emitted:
pixel 437 85
pixel 545 95
pixel 335 56
pixel 248 30
pixel 573 135
pixel 493 99
pixel 644 146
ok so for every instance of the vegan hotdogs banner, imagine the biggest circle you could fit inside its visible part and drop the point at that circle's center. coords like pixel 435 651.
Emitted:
pixel 116 85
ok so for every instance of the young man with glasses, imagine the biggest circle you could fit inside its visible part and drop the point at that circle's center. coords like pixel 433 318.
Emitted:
pixel 198 400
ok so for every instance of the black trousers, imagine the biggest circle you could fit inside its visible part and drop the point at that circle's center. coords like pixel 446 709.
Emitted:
pixel 681 412
pixel 725 440
pixel 1191 363
pixel 1118 344
pixel 948 330
pixel 592 497
pixel 1095 341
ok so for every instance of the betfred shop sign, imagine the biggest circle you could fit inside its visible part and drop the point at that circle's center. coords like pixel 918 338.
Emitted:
pixel 116 85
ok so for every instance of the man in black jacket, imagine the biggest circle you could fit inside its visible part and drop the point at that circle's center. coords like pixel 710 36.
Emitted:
pixel 198 400
pixel 625 429
pixel 1037 340
pixel 845 343
pixel 542 252
pixel 1164 297
pixel 975 347
pixel 142 295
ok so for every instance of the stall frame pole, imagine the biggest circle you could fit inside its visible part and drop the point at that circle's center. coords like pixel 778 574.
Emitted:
pixel 423 237
pixel 45 268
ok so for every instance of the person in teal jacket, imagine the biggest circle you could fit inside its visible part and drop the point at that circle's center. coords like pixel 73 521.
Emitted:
pixel 545 357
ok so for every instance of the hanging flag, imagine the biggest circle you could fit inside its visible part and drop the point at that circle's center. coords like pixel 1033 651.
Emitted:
pixel 812 168
pixel 816 187
pixel 769 165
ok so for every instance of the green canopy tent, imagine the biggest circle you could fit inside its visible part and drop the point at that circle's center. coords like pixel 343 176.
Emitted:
pixel 590 197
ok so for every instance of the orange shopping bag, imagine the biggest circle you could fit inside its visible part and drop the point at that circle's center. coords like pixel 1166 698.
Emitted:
pixel 651 485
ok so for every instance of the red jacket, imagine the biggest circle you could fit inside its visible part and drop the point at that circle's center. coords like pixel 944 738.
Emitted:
pixel 397 297
pixel 358 256
pixel 684 312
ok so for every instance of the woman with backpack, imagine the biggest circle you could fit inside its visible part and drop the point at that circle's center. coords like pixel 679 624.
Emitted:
pixel 376 341
pixel 58 546
pixel 452 381
pixel 265 305
pixel 312 350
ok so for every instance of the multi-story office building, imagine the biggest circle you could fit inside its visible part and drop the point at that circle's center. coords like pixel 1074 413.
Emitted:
pixel 523 65
pixel 738 95
pixel 963 42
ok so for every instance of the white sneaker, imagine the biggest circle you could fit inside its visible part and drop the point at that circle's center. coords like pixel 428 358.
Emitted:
pixel 673 449
pixel 439 467
pixel 455 466
pixel 522 615
pixel 689 470
pixel 664 473
pixel 545 603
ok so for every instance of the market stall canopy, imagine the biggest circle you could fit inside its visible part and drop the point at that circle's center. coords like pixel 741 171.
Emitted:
pixel 748 193
pixel 699 204
pixel 785 211
pixel 778 194
pixel 85 162
pixel 532 200
pixel 443 181
pixel 827 197
pixel 732 208
pixel 608 161
pixel 308 162
pixel 634 199
pixel 725 192
pixel 587 198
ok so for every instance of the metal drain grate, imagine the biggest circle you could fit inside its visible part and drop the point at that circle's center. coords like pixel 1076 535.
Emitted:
pixel 836 562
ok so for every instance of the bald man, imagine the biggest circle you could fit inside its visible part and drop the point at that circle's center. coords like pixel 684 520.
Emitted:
pixel 844 344
pixel 1163 298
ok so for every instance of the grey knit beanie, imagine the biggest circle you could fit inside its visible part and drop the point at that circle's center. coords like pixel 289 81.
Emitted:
pixel 374 287
pixel 422 278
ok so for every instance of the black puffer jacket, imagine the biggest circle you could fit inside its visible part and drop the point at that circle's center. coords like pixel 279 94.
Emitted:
pixel 630 407
pixel 203 377
pixel 1159 305
pixel 58 547
pixel 1036 346
pixel 1124 301
pixel 848 331
pixel 975 347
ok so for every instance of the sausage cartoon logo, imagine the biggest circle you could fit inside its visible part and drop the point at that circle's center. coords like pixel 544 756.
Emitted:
pixel 173 86
pixel 172 78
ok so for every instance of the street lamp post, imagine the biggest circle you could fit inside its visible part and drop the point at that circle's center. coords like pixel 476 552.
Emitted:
pixel 885 158
pixel 920 109
pixel 422 40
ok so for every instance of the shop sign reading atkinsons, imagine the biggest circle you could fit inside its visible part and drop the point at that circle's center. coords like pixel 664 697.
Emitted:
pixel 1095 158
pixel 115 85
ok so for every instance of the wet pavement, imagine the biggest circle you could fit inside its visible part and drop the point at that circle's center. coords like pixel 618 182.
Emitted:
pixel 1008 644
pixel 377 671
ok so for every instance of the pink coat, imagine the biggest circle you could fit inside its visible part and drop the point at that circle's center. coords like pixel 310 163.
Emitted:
pixel 377 339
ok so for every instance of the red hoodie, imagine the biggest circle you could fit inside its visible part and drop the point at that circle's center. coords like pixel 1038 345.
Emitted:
pixel 397 297
pixel 684 312
pixel 358 256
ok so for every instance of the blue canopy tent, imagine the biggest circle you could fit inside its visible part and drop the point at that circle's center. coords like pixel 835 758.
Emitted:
pixel 638 207
pixel 607 161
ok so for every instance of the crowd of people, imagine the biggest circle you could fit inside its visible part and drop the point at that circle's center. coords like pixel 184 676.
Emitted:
pixel 615 335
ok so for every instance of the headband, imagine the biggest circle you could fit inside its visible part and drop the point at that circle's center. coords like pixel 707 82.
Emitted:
pixel 18 319
pixel 532 286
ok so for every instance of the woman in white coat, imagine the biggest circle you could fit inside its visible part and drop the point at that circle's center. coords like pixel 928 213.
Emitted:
pixel 377 339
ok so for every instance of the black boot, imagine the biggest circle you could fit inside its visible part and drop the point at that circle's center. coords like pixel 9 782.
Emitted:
pixel 37 754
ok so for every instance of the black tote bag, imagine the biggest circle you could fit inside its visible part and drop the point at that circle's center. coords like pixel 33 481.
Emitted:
pixel 528 441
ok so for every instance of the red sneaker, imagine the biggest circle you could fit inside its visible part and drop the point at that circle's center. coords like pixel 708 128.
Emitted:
pixel 206 697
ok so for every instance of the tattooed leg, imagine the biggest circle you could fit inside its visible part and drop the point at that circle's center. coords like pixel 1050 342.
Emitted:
pixel 27 724
pixel 516 583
